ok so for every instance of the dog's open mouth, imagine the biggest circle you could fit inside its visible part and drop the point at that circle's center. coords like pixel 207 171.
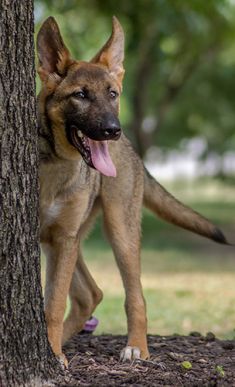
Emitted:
pixel 95 153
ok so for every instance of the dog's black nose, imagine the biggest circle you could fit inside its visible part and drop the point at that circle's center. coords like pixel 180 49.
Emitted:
pixel 111 127
pixel 112 132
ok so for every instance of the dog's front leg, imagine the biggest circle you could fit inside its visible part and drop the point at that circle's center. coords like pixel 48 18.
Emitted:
pixel 61 259
pixel 135 308
pixel 124 235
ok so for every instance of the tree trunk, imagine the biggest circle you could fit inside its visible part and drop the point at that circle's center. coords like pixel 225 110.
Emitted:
pixel 25 355
pixel 140 93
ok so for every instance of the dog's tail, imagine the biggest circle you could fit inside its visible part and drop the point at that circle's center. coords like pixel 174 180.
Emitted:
pixel 162 203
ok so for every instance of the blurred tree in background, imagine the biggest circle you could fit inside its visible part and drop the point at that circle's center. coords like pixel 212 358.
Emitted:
pixel 180 64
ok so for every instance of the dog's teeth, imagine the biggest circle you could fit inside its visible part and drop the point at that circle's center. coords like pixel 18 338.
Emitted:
pixel 79 133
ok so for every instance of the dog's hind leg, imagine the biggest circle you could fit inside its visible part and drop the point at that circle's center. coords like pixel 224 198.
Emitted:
pixel 122 226
pixel 84 296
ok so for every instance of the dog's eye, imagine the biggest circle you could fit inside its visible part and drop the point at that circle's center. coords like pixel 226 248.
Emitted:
pixel 113 94
pixel 79 94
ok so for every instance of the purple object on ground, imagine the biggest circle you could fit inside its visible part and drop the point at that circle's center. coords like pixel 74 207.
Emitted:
pixel 91 325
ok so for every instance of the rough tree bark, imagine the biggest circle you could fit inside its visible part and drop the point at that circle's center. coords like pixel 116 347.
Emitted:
pixel 25 355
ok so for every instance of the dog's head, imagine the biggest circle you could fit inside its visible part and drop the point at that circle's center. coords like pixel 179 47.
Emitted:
pixel 80 100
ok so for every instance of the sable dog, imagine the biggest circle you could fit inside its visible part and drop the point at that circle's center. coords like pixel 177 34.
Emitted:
pixel 87 164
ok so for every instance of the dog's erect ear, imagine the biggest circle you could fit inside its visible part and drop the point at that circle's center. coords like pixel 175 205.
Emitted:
pixel 112 53
pixel 53 55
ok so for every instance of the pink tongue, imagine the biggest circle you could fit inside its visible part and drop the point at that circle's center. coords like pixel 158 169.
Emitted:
pixel 101 158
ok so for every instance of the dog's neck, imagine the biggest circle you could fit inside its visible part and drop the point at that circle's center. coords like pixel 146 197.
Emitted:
pixel 45 136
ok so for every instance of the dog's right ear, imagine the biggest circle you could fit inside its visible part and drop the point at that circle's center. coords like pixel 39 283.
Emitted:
pixel 54 57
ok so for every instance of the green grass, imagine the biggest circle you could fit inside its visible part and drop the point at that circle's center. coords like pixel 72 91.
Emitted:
pixel 188 281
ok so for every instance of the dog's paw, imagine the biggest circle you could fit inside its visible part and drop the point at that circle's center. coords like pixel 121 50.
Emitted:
pixel 130 353
pixel 62 360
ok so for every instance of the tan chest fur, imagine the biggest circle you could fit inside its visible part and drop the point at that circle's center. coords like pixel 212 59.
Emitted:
pixel 67 194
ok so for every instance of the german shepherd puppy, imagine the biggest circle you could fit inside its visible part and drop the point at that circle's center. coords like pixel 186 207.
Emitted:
pixel 88 164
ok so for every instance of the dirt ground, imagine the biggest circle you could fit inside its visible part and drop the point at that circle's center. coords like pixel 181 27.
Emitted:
pixel 175 360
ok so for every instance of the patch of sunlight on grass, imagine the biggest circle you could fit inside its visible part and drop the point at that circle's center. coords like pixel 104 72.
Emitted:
pixel 111 315
pixel 204 190
pixel 184 302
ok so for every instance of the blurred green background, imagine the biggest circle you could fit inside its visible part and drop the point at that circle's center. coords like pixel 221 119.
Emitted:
pixel 178 103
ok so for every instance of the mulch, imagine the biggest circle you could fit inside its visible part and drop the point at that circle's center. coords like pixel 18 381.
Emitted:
pixel 193 360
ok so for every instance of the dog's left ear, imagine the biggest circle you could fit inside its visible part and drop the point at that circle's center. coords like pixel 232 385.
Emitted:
pixel 112 53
